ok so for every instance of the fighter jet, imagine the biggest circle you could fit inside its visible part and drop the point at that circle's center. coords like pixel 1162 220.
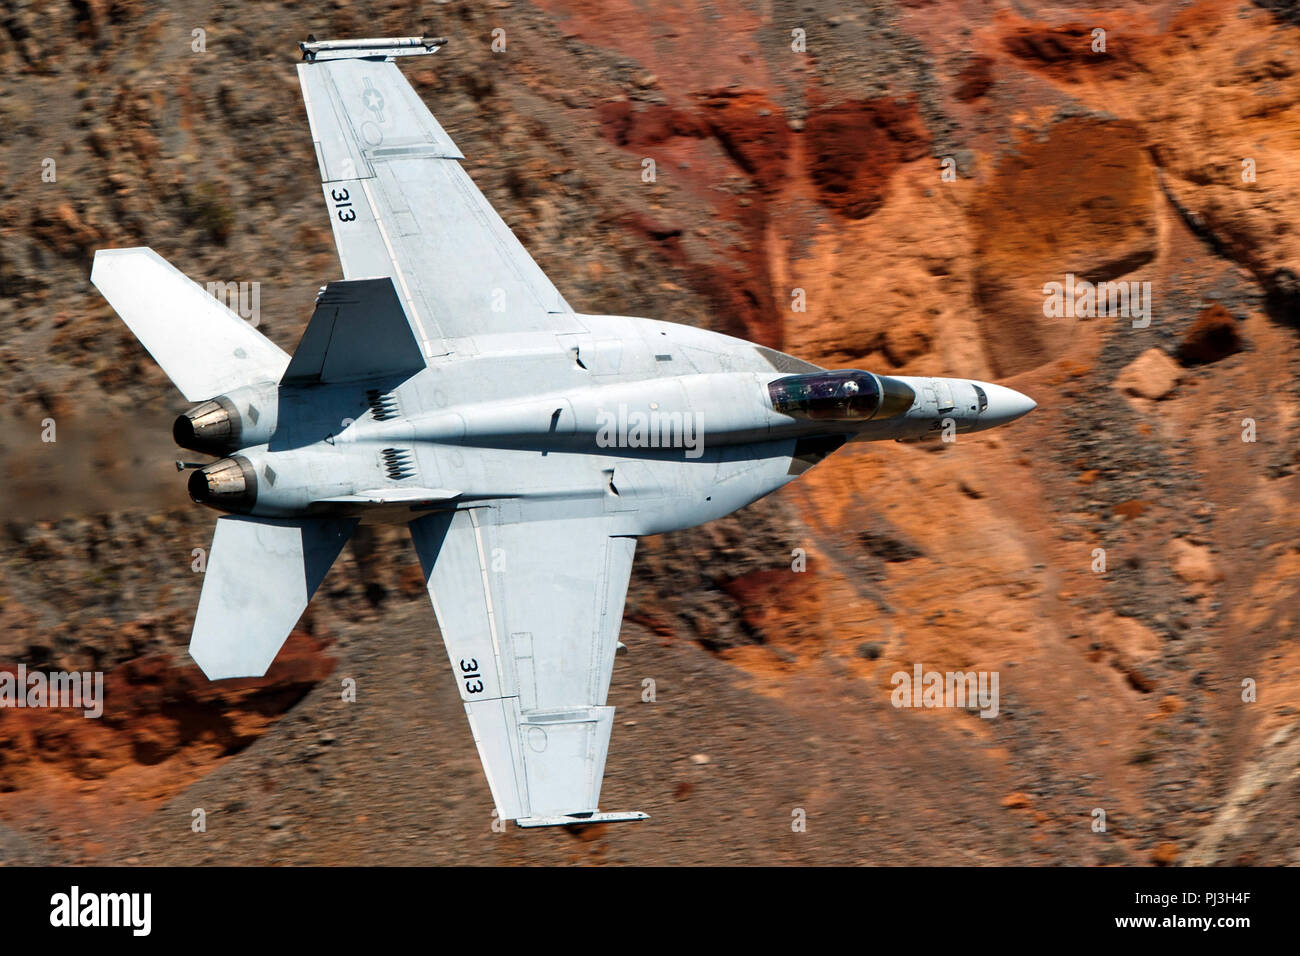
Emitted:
pixel 445 383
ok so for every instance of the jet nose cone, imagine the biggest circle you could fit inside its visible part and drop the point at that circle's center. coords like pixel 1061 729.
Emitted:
pixel 1006 405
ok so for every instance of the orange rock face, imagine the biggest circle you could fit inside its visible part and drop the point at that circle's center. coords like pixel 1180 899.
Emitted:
pixel 1054 544
pixel 163 725
pixel 853 150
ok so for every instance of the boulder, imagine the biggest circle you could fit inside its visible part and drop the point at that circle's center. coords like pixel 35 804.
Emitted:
pixel 1153 375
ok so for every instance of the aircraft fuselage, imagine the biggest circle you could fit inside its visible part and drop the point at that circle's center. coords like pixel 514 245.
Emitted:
pixel 666 426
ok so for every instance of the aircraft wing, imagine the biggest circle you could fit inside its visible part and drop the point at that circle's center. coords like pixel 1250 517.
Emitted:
pixel 401 206
pixel 530 614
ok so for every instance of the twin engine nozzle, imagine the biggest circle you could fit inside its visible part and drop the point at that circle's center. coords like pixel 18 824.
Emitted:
pixel 213 427
pixel 239 419
pixel 220 426
pixel 228 485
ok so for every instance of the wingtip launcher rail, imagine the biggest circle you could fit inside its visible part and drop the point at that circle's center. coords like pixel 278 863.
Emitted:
pixel 377 47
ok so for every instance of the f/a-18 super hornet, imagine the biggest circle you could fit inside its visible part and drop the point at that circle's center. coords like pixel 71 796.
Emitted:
pixel 446 384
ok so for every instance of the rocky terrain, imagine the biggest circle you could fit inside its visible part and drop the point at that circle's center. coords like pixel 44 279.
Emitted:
pixel 883 185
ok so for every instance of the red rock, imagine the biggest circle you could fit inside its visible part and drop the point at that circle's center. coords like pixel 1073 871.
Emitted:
pixel 1165 854
pixel 1213 336
pixel 976 79
pixel 855 148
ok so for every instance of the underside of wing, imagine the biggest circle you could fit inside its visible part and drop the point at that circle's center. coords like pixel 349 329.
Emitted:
pixel 401 205
pixel 530 614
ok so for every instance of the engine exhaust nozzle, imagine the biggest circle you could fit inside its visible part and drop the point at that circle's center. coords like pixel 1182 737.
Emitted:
pixel 227 485
pixel 213 427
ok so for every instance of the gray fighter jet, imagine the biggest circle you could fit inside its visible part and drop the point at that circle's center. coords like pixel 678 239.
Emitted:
pixel 445 383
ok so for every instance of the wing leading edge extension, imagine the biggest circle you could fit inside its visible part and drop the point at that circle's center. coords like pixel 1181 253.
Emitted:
pixel 530 614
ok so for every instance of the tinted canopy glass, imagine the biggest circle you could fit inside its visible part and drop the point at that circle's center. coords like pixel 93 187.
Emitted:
pixel 836 396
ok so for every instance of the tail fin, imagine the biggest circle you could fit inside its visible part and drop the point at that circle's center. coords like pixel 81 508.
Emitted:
pixel 359 330
pixel 205 349
pixel 260 575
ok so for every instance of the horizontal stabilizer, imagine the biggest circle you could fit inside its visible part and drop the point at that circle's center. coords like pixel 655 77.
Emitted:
pixel 260 575
pixel 205 349
pixel 359 330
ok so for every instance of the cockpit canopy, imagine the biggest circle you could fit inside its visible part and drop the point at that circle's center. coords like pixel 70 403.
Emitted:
pixel 847 395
